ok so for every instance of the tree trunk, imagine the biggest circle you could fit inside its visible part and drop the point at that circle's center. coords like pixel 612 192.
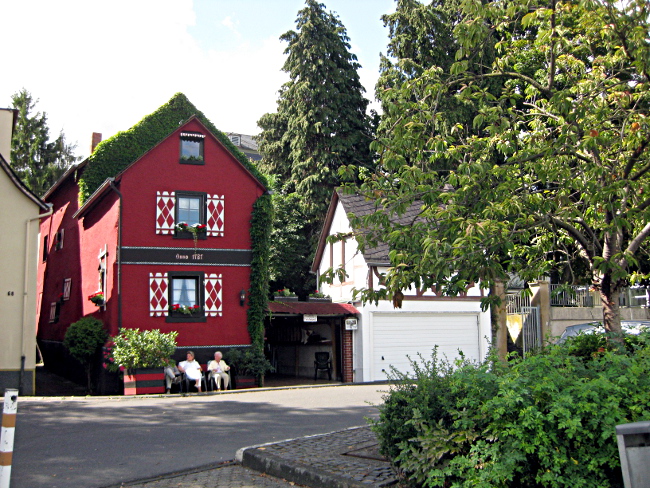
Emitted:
pixel 611 310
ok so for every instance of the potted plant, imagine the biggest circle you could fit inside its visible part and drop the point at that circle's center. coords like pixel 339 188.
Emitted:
pixel 317 296
pixel 249 367
pixel 97 298
pixel 84 340
pixel 285 295
pixel 141 356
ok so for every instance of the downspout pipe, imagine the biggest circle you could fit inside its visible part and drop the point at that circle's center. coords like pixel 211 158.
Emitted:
pixel 23 353
pixel 119 254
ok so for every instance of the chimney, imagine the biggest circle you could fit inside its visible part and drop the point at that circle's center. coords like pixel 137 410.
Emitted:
pixel 97 138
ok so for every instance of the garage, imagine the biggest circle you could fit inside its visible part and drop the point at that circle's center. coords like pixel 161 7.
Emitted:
pixel 396 335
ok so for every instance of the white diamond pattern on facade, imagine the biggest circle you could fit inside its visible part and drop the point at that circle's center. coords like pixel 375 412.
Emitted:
pixel 158 304
pixel 213 289
pixel 215 221
pixel 165 201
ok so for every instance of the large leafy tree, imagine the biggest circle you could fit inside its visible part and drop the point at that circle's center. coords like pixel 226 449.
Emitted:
pixel 555 169
pixel 38 161
pixel 320 124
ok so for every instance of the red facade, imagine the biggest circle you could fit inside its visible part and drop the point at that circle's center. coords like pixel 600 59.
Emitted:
pixel 160 265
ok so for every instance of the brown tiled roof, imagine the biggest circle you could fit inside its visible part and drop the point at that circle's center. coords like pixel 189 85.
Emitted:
pixel 312 308
pixel 360 206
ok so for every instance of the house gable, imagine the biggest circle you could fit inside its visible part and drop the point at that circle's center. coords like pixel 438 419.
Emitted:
pixel 115 154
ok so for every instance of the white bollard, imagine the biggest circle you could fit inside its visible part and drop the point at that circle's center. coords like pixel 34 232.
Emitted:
pixel 7 436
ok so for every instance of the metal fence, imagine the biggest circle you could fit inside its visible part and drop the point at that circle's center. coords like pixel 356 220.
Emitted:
pixel 581 296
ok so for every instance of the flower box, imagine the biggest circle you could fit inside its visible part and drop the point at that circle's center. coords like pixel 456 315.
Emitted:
pixel 142 381
pixel 243 382
pixel 319 299
pixel 285 299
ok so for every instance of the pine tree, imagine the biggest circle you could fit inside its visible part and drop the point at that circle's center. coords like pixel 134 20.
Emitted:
pixel 321 122
pixel 37 161
pixel 320 125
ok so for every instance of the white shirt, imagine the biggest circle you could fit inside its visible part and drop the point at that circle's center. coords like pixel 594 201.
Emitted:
pixel 192 369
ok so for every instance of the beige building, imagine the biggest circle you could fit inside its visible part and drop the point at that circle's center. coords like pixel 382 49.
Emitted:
pixel 19 241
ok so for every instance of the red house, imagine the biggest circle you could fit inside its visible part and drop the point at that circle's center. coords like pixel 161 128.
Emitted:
pixel 158 222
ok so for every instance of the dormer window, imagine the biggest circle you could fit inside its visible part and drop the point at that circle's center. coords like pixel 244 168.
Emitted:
pixel 235 139
pixel 192 148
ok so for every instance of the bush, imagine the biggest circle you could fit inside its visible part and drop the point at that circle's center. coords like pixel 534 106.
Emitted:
pixel 249 362
pixel 84 340
pixel 133 348
pixel 545 421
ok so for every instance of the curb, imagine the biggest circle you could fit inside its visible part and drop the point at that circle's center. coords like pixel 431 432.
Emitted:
pixel 256 458
pixel 190 395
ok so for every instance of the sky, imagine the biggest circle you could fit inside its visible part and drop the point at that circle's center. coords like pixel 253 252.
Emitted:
pixel 101 66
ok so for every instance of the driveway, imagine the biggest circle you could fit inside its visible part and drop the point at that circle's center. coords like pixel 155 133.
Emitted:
pixel 96 442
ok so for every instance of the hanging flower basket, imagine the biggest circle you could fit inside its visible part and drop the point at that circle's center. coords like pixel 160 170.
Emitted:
pixel 97 298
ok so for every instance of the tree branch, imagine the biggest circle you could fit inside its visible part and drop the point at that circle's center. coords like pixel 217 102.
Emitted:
pixel 577 235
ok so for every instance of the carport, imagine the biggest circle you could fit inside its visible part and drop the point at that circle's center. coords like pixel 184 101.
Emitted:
pixel 295 331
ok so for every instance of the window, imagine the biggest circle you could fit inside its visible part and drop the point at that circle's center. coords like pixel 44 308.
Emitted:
pixel 235 139
pixel 192 148
pixel 190 212
pixel 45 249
pixel 186 297
pixel 58 243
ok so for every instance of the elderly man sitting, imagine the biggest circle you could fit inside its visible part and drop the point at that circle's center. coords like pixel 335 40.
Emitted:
pixel 217 370
pixel 192 370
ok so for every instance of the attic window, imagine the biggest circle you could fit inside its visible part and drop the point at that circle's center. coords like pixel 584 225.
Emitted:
pixel 235 139
pixel 192 148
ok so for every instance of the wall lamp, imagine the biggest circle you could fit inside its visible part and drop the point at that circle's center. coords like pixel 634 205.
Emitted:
pixel 242 297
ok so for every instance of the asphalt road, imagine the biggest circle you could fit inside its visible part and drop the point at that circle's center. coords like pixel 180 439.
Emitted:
pixel 97 442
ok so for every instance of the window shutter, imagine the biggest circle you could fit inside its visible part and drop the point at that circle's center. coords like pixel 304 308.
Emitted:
pixel 213 288
pixel 165 201
pixel 67 285
pixel 158 297
pixel 215 220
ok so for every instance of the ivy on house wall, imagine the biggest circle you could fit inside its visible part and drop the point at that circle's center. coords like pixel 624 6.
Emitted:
pixel 115 154
pixel 261 220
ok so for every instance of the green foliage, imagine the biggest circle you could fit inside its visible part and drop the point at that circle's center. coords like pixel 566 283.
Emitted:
pixel 118 152
pixel 544 421
pixel 249 362
pixel 261 221
pixel 84 340
pixel 552 170
pixel 133 348
pixel 292 250
pixel 36 160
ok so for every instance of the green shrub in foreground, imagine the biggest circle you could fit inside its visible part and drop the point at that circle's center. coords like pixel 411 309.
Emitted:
pixel 545 421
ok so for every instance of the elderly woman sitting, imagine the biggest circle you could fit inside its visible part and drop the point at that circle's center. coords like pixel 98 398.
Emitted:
pixel 217 370
pixel 192 370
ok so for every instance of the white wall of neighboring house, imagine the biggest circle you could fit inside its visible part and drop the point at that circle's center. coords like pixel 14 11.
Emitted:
pixel 385 335
pixel 18 260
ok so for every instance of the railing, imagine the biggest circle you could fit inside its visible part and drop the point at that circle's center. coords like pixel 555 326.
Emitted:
pixel 581 296
pixel 514 302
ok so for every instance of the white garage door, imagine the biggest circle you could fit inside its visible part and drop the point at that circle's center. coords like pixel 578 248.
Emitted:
pixel 397 335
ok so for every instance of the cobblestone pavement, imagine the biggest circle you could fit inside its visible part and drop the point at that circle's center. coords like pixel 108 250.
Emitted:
pixel 228 476
pixel 346 458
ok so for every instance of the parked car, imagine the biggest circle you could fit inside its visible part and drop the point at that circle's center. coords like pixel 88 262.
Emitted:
pixel 628 326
